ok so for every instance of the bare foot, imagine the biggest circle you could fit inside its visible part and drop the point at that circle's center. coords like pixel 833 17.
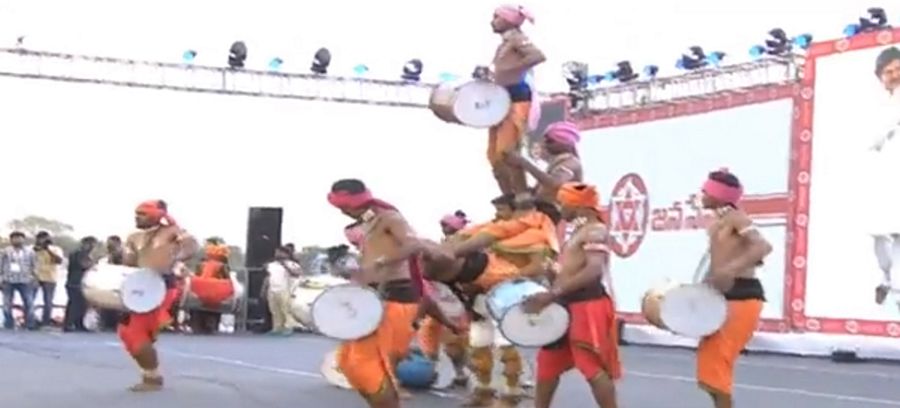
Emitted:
pixel 148 384
pixel 403 393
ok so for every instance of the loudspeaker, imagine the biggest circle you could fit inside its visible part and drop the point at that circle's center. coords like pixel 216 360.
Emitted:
pixel 263 237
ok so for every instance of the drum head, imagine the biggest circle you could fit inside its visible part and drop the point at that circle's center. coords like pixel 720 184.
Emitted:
pixel 347 312
pixel 534 330
pixel 143 291
pixel 332 373
pixel 481 104
pixel 693 310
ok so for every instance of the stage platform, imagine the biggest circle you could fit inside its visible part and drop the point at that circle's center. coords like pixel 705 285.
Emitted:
pixel 47 369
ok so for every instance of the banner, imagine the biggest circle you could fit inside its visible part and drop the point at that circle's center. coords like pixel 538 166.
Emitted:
pixel 848 194
pixel 649 166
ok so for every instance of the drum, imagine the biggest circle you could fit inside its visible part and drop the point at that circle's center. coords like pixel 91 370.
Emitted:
pixel 453 308
pixel 474 103
pixel 689 310
pixel 212 294
pixel 305 293
pixel 347 312
pixel 332 373
pixel 123 288
pixel 520 328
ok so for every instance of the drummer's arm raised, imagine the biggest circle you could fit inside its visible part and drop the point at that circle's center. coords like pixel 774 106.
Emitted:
pixel 596 261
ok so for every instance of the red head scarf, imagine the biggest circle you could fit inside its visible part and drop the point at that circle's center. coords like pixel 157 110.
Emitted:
pixel 155 210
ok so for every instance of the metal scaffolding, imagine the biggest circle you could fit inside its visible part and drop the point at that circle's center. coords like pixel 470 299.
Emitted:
pixel 24 63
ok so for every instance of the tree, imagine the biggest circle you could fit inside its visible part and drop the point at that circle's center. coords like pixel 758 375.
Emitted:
pixel 61 232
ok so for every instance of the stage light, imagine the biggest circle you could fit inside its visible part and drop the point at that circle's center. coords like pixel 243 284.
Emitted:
pixel 650 71
pixel 360 69
pixel 321 61
pixel 695 58
pixel 576 75
pixel 876 21
pixel 624 73
pixel 447 77
pixel 275 64
pixel 757 51
pixel 715 58
pixel 803 41
pixel 778 44
pixel 237 55
pixel 189 56
pixel 412 70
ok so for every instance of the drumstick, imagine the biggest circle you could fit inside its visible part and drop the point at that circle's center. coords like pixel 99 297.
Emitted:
pixel 702 269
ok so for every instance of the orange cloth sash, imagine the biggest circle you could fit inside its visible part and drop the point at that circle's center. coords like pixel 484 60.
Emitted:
pixel 507 135
pixel 368 363
pixel 139 329
pixel 212 286
pixel 525 234
pixel 717 354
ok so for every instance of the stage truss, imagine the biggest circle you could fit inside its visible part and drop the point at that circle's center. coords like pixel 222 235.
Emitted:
pixel 31 64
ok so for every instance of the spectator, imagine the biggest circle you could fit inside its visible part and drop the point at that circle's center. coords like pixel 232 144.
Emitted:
pixel 80 262
pixel 283 271
pixel 17 274
pixel 49 258
pixel 115 253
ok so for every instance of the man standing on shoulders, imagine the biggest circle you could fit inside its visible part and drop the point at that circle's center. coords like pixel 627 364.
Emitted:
pixel 17 274
pixel 514 58
pixel 80 262
pixel 49 259
pixel 563 164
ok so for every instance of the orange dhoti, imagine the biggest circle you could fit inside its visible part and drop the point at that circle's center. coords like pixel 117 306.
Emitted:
pixel 590 345
pixel 432 335
pixel 507 136
pixel 717 354
pixel 138 330
pixel 368 363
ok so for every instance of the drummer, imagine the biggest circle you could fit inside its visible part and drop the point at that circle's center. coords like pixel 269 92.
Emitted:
pixel 432 334
pixel 736 248
pixel 159 245
pixel 514 58
pixel 563 163
pixel 591 344
pixel 389 247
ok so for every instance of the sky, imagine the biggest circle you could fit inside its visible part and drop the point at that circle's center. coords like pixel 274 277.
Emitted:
pixel 381 34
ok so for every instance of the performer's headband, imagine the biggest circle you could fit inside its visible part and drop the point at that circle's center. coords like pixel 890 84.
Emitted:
pixel 564 133
pixel 722 192
pixel 348 201
pixel 454 221
pixel 515 15
pixel 154 209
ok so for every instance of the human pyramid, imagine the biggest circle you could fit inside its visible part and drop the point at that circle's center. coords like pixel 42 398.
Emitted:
pixel 491 287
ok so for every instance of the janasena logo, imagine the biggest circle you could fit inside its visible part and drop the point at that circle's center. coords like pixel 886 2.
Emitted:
pixel 629 215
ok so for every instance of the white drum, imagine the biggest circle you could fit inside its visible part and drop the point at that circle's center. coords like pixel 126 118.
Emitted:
pixel 689 310
pixel 474 103
pixel 347 312
pixel 305 293
pixel 523 329
pixel 123 288
pixel 143 290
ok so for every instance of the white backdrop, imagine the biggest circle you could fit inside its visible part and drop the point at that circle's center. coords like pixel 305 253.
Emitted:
pixel 87 154
pixel 851 110
pixel 673 158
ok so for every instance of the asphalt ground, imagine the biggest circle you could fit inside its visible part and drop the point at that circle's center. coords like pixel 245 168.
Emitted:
pixel 51 369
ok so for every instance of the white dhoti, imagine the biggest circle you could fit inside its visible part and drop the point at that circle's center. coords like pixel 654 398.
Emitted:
pixel 485 333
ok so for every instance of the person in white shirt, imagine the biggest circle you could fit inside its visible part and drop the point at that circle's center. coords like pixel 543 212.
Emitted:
pixel 283 274
pixel 886 148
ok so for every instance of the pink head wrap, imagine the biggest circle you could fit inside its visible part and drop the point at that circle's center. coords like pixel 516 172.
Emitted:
pixel 348 201
pixel 456 221
pixel 156 210
pixel 513 14
pixel 565 133
pixel 723 192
